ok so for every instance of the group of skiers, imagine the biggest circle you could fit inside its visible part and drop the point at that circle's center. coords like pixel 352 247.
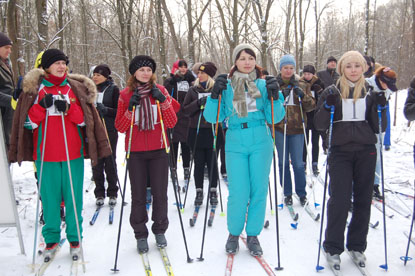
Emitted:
pixel 63 118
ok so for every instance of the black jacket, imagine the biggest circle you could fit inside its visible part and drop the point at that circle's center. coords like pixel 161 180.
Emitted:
pixel 349 135
pixel 191 108
pixel 328 77
pixel 6 92
pixel 409 109
pixel 110 100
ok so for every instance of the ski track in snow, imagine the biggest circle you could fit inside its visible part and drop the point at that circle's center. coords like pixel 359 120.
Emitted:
pixel 298 248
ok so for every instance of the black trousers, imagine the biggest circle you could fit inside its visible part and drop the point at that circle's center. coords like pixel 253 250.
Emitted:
pixel 315 138
pixel 185 154
pixel 203 156
pixel 109 165
pixel 149 166
pixel 222 153
pixel 350 172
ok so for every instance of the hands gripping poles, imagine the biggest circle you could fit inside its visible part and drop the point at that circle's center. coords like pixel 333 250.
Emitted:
pixel 384 266
pixel 125 185
pixel 318 267
pixel 279 267
pixel 189 260
pixel 214 160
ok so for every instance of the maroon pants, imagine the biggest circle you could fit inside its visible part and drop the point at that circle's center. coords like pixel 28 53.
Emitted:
pixel 151 165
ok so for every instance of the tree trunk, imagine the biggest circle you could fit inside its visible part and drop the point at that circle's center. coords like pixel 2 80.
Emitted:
pixel 84 37
pixel 42 24
pixel 60 23
pixel 287 28
pixel 190 35
pixel 121 21
pixel 367 28
pixel 161 40
pixel 170 23
pixel 13 33
pixel 316 17
pixel 295 35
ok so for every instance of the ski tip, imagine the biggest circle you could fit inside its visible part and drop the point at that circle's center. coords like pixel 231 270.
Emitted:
pixel 406 258
pixel 191 222
pixel 316 205
pixel 319 268
pixel 266 225
pixel 296 217
pixel 384 266
pixel 317 217
pixel 222 214
pixel 294 225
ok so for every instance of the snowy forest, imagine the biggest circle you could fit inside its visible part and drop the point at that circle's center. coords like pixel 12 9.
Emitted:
pixel 114 31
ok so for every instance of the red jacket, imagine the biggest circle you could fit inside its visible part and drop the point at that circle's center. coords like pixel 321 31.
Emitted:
pixel 146 140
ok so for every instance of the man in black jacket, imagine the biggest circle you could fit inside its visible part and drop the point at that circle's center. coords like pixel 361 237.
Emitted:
pixel 6 86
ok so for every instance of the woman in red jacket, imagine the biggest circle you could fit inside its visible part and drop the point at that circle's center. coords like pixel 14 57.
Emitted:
pixel 148 157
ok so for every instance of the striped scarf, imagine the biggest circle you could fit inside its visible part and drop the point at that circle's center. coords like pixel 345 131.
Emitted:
pixel 146 116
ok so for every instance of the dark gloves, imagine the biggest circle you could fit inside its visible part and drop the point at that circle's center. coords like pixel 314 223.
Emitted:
pixel 177 78
pixel 62 105
pixel 18 90
pixel 316 88
pixel 380 98
pixel 272 87
pixel 134 100
pixel 331 100
pixel 286 92
pixel 102 109
pixel 299 92
pixel 156 93
pixel 202 101
pixel 220 85
pixel 47 101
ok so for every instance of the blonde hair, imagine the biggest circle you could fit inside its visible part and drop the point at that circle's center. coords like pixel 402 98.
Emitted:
pixel 209 83
pixel 359 86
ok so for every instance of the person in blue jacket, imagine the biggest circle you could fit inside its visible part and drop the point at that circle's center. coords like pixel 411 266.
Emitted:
pixel 246 103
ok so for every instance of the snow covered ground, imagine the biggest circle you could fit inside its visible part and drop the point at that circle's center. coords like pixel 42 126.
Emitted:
pixel 298 248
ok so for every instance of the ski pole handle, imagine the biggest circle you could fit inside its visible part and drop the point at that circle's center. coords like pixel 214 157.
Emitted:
pixel 162 127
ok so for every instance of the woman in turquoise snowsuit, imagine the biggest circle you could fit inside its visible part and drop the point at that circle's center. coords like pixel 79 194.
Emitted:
pixel 246 104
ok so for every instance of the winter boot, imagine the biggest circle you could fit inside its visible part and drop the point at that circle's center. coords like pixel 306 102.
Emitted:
pixel 199 197
pixel 49 251
pixel 254 246
pixel 100 201
pixel 288 200
pixel 358 257
pixel 333 260
pixel 148 196
pixel 112 201
pixel 75 250
pixel 161 240
pixel 376 193
pixel 62 211
pixel 213 197
pixel 303 200
pixel 232 244
pixel 142 245
pixel 315 168
pixel 186 173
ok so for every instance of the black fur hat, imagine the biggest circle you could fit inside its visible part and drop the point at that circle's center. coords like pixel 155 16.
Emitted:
pixel 413 83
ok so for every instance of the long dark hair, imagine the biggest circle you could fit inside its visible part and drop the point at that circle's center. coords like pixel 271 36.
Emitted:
pixel 258 69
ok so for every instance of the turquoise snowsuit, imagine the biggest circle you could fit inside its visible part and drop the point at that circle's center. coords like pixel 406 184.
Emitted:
pixel 248 151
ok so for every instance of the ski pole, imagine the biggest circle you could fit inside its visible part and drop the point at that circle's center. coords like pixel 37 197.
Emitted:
pixel 127 157
pixel 173 166
pixel 72 189
pixel 318 267
pixel 40 185
pixel 406 258
pixel 214 156
pixel 284 151
pixel 193 154
pixel 279 267
pixel 215 133
pixel 162 128
pixel 384 266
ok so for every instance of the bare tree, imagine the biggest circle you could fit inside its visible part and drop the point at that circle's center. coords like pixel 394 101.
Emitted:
pixel 13 31
pixel 262 17
pixel 60 22
pixel 367 27
pixel 170 23
pixel 288 19
pixel 161 39
pixel 42 24
pixel 317 17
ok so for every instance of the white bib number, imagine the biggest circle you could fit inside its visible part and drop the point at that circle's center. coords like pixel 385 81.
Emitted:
pixel 153 109
pixel 52 109
pixel 250 103
pixel 354 111
pixel 201 95
pixel 183 86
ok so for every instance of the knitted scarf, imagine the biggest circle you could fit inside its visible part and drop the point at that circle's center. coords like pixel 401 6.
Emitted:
pixel 240 83
pixel 146 116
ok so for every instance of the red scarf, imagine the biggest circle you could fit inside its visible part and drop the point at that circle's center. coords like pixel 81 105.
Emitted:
pixel 55 80
pixel 146 116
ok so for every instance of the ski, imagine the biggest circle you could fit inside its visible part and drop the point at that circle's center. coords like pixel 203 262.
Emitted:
pixel 45 263
pixel 380 208
pixel 374 225
pixel 146 264
pixel 95 216
pixel 194 217
pixel 397 208
pixel 360 265
pixel 212 215
pixel 261 260
pixel 74 268
pixel 266 224
pixel 166 261
pixel 111 215
pixel 334 268
pixel 292 212
pixel 412 238
pixel 229 264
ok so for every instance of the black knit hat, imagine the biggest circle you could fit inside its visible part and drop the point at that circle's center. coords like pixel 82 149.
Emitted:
pixel 50 56
pixel 413 83
pixel 331 58
pixel 141 61
pixel 209 68
pixel 309 68
pixel 4 40
pixel 103 70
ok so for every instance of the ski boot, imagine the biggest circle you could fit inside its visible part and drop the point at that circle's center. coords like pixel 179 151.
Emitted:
pixel 376 193
pixel 213 197
pixel 358 257
pixel 206 173
pixel 142 245
pixel 303 200
pixel 254 246
pixel 232 244
pixel 112 201
pixel 161 240
pixel 288 200
pixel 186 173
pixel 75 250
pixel 333 260
pixel 100 201
pixel 49 251
pixel 315 168
pixel 199 197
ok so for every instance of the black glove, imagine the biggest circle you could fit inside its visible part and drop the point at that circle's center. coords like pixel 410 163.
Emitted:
pixel 272 87
pixel 102 109
pixel 177 78
pixel 156 93
pixel 286 92
pixel 202 101
pixel 134 100
pixel 299 92
pixel 332 99
pixel 47 101
pixel 62 105
pixel 220 85
pixel 380 98
pixel 316 88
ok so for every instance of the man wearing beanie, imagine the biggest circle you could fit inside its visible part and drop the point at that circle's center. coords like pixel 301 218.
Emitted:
pixel 6 87
pixel 329 76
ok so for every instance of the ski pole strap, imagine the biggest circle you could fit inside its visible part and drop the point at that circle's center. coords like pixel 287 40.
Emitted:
pixel 162 127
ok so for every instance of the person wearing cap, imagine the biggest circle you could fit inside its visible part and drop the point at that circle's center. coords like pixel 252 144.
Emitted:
pixel 352 156
pixel 106 103
pixel 200 133
pixel 370 66
pixel 6 87
pixel 329 76
pixel 315 86
pixel 181 79
pixel 139 102
pixel 291 129
pixel 52 98
pixel 246 104
pixel 383 81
